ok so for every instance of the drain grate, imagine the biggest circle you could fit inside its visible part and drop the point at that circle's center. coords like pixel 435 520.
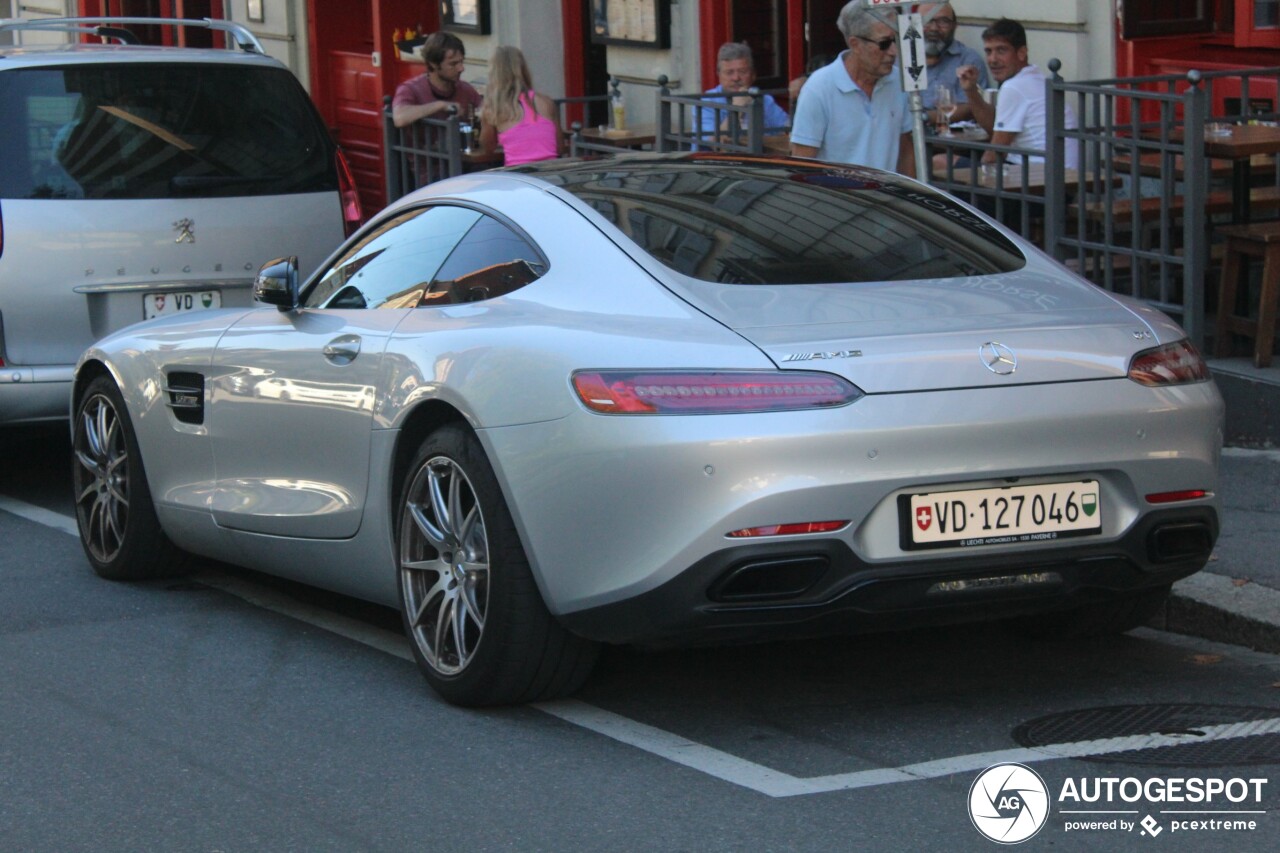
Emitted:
pixel 1187 721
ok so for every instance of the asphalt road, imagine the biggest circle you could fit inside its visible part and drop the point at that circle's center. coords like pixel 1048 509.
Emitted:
pixel 227 712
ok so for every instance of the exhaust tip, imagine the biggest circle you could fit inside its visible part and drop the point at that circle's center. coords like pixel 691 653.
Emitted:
pixel 770 579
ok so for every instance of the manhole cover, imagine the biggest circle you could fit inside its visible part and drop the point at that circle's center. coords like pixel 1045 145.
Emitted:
pixel 1203 747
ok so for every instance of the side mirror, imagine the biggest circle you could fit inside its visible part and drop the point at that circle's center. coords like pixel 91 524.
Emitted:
pixel 277 283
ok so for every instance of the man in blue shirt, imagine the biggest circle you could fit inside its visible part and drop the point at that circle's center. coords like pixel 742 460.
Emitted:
pixel 736 72
pixel 944 55
pixel 854 110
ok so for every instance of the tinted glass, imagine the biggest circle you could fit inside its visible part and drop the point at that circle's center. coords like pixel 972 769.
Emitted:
pixel 159 131
pixel 394 264
pixel 736 222
pixel 490 261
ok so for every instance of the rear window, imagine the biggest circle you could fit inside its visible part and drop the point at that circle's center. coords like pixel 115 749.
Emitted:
pixel 181 130
pixel 739 222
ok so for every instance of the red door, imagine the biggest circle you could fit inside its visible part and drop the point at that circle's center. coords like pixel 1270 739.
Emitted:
pixel 354 64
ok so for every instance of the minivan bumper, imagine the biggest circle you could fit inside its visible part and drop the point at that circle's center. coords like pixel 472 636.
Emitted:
pixel 35 394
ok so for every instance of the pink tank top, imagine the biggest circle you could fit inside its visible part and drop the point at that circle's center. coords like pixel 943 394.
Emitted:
pixel 534 138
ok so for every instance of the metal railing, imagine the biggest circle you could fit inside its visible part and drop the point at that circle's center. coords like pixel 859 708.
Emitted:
pixel 1012 192
pixel 428 150
pixel 702 122
pixel 1145 226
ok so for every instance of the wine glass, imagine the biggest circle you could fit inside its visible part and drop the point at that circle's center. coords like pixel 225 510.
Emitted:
pixel 945 102
pixel 467 130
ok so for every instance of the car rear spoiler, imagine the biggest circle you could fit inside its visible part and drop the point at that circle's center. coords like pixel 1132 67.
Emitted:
pixel 117 28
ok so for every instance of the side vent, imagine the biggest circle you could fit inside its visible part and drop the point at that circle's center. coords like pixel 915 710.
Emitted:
pixel 185 393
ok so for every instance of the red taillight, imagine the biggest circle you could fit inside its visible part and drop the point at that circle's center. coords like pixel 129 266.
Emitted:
pixel 1174 497
pixel 788 529
pixel 629 392
pixel 1171 364
pixel 349 195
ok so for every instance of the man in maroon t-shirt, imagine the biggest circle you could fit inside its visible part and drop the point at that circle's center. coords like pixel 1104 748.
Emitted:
pixel 429 94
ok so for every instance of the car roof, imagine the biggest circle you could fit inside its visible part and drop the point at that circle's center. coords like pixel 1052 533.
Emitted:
pixel 31 56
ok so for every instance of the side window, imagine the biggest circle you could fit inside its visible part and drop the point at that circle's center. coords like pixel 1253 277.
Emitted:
pixel 492 260
pixel 393 265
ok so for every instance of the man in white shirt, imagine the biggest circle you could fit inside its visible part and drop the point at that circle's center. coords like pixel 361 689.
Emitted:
pixel 1018 119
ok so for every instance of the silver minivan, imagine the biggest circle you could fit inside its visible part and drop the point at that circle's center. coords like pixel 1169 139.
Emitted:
pixel 141 181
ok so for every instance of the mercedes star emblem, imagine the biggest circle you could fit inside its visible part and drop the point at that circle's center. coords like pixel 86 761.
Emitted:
pixel 998 358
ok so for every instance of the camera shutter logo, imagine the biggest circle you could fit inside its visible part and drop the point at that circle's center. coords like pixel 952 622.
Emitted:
pixel 1008 803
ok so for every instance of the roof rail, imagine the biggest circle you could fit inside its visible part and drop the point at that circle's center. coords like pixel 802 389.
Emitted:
pixel 244 39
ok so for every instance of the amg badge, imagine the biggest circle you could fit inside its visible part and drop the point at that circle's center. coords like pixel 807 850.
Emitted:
pixel 815 356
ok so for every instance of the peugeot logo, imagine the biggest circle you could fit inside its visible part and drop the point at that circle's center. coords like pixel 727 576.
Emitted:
pixel 186 229
pixel 998 358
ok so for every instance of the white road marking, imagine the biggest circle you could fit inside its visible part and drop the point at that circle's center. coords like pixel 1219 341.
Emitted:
pixel 705 759
pixel 777 784
pixel 39 515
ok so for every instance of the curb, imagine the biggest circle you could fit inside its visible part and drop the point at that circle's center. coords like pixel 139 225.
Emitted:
pixel 1215 608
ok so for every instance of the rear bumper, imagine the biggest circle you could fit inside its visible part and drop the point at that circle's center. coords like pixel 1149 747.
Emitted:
pixel 35 394
pixel 820 587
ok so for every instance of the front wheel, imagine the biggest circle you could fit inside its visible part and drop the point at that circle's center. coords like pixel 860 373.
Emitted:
pixel 479 628
pixel 118 526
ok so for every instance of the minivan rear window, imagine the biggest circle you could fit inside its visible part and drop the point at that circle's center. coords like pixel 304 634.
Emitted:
pixel 178 130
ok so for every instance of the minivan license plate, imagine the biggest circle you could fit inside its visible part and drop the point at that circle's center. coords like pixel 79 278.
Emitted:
pixel 162 304
pixel 998 516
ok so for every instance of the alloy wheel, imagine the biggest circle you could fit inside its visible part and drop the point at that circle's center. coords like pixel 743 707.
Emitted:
pixel 444 565
pixel 101 478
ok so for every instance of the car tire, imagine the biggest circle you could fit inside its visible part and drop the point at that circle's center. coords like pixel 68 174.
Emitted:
pixel 119 530
pixel 479 628
pixel 1116 616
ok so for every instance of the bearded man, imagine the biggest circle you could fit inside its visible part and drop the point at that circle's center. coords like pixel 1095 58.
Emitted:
pixel 944 56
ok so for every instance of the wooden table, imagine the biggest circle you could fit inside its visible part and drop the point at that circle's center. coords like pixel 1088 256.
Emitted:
pixel 1151 165
pixel 1012 178
pixel 1239 146
pixel 778 143
pixel 631 137
pixel 480 159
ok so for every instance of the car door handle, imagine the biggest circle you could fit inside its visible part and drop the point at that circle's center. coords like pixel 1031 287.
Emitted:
pixel 343 349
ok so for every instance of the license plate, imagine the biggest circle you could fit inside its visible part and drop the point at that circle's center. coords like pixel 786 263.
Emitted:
pixel 162 304
pixel 1009 514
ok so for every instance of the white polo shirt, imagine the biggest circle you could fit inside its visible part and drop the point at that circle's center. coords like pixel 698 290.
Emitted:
pixel 1020 109
pixel 836 117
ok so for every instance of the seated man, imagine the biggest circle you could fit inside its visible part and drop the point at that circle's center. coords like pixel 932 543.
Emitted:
pixel 432 93
pixel 1018 120
pixel 944 56
pixel 736 72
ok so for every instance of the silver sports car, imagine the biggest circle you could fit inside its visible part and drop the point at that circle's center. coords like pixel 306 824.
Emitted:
pixel 666 399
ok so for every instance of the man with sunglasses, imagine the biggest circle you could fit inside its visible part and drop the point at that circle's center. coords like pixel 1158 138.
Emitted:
pixel 944 56
pixel 854 110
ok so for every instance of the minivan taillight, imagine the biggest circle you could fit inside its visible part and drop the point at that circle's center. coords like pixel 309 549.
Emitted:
pixel 349 195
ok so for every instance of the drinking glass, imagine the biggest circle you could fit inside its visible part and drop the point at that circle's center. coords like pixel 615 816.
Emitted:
pixel 945 103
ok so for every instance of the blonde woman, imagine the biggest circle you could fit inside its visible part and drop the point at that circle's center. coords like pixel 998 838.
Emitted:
pixel 514 116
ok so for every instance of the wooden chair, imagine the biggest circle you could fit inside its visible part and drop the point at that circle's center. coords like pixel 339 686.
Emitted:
pixel 1254 240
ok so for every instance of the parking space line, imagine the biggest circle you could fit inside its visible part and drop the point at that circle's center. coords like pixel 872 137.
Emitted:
pixel 39 515
pixel 775 783
pixel 696 756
